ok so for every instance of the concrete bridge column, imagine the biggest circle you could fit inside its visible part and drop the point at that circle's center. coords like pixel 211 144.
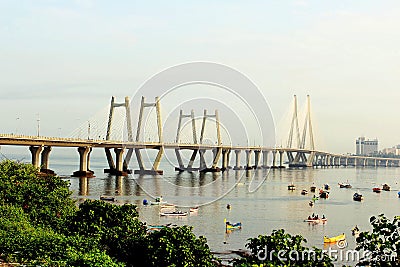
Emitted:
pixel 119 161
pixel 274 159
pixel 84 162
pixel 224 159
pixel 45 161
pixel 203 164
pixel 35 151
pixel 281 159
pixel 237 166
pixel 346 161
pixel 228 157
pixel 387 163
pixel 365 162
pixel 265 159
pixel 248 159
pixel 256 158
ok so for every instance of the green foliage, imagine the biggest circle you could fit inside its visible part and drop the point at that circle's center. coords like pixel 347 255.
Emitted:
pixel 116 229
pixel 178 247
pixel 46 199
pixel 23 243
pixel 382 243
pixel 265 251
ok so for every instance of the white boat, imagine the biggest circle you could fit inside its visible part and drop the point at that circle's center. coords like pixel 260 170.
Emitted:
pixel 175 213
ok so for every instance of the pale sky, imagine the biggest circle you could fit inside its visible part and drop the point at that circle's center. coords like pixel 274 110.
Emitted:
pixel 64 60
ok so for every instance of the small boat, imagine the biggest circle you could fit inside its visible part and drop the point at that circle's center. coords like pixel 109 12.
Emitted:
pixel 193 210
pixel 107 198
pixel 235 226
pixel 398 193
pixel 158 227
pixel 312 188
pixel 315 198
pixel 159 201
pixel 327 187
pixel 316 219
pixel 323 194
pixel 376 189
pixel 167 206
pixel 334 239
pixel 177 213
pixel 304 192
pixel 311 203
pixel 385 187
pixel 291 187
pixel 345 185
pixel 357 197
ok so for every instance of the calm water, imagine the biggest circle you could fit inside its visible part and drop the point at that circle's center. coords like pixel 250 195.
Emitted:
pixel 272 206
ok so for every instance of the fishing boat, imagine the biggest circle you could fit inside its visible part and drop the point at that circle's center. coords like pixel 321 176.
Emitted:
pixel 107 198
pixel 304 192
pixel 177 213
pixel 315 198
pixel 235 226
pixel 376 189
pixel 312 188
pixel 344 185
pixel 334 239
pixel 291 187
pixel 385 187
pixel 194 210
pixel 158 227
pixel 357 197
pixel 316 219
pixel 323 194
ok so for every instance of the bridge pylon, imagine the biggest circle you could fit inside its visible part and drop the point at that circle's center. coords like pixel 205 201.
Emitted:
pixel 119 167
pixel 217 151
pixel 178 150
pixel 300 159
pixel 154 170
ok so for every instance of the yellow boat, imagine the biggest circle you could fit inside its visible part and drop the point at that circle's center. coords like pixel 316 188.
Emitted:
pixel 334 239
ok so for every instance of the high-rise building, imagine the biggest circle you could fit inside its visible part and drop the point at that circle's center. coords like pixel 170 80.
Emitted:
pixel 366 147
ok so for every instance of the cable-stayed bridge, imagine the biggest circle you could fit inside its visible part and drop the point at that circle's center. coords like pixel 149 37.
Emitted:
pixel 299 151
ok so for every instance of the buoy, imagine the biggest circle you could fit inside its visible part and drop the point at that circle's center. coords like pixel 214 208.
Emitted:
pixel 145 202
pixel 228 206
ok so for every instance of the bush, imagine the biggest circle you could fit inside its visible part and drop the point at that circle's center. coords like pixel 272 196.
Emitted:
pixel 265 252
pixel 383 243
pixel 45 199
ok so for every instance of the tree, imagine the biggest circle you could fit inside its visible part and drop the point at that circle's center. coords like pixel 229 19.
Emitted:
pixel 381 246
pixel 177 247
pixel 45 199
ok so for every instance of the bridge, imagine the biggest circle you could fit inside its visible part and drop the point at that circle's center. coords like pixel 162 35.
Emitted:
pixel 297 155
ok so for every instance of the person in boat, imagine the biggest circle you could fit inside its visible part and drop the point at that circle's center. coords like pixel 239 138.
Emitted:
pixel 309 217
pixel 311 203
pixel 316 217
pixel 312 216
pixel 228 206
pixel 323 216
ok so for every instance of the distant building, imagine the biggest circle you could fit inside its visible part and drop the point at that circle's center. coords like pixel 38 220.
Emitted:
pixel 392 151
pixel 366 147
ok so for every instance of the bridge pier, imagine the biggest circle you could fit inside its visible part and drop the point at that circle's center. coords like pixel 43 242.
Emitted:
pixel 114 168
pixel 256 158
pixel 281 160
pixel 274 160
pixel 84 163
pixel 44 167
pixel 225 159
pixel 248 160
pixel 265 159
pixel 35 151
pixel 154 170
pixel 237 165
pixel 216 154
